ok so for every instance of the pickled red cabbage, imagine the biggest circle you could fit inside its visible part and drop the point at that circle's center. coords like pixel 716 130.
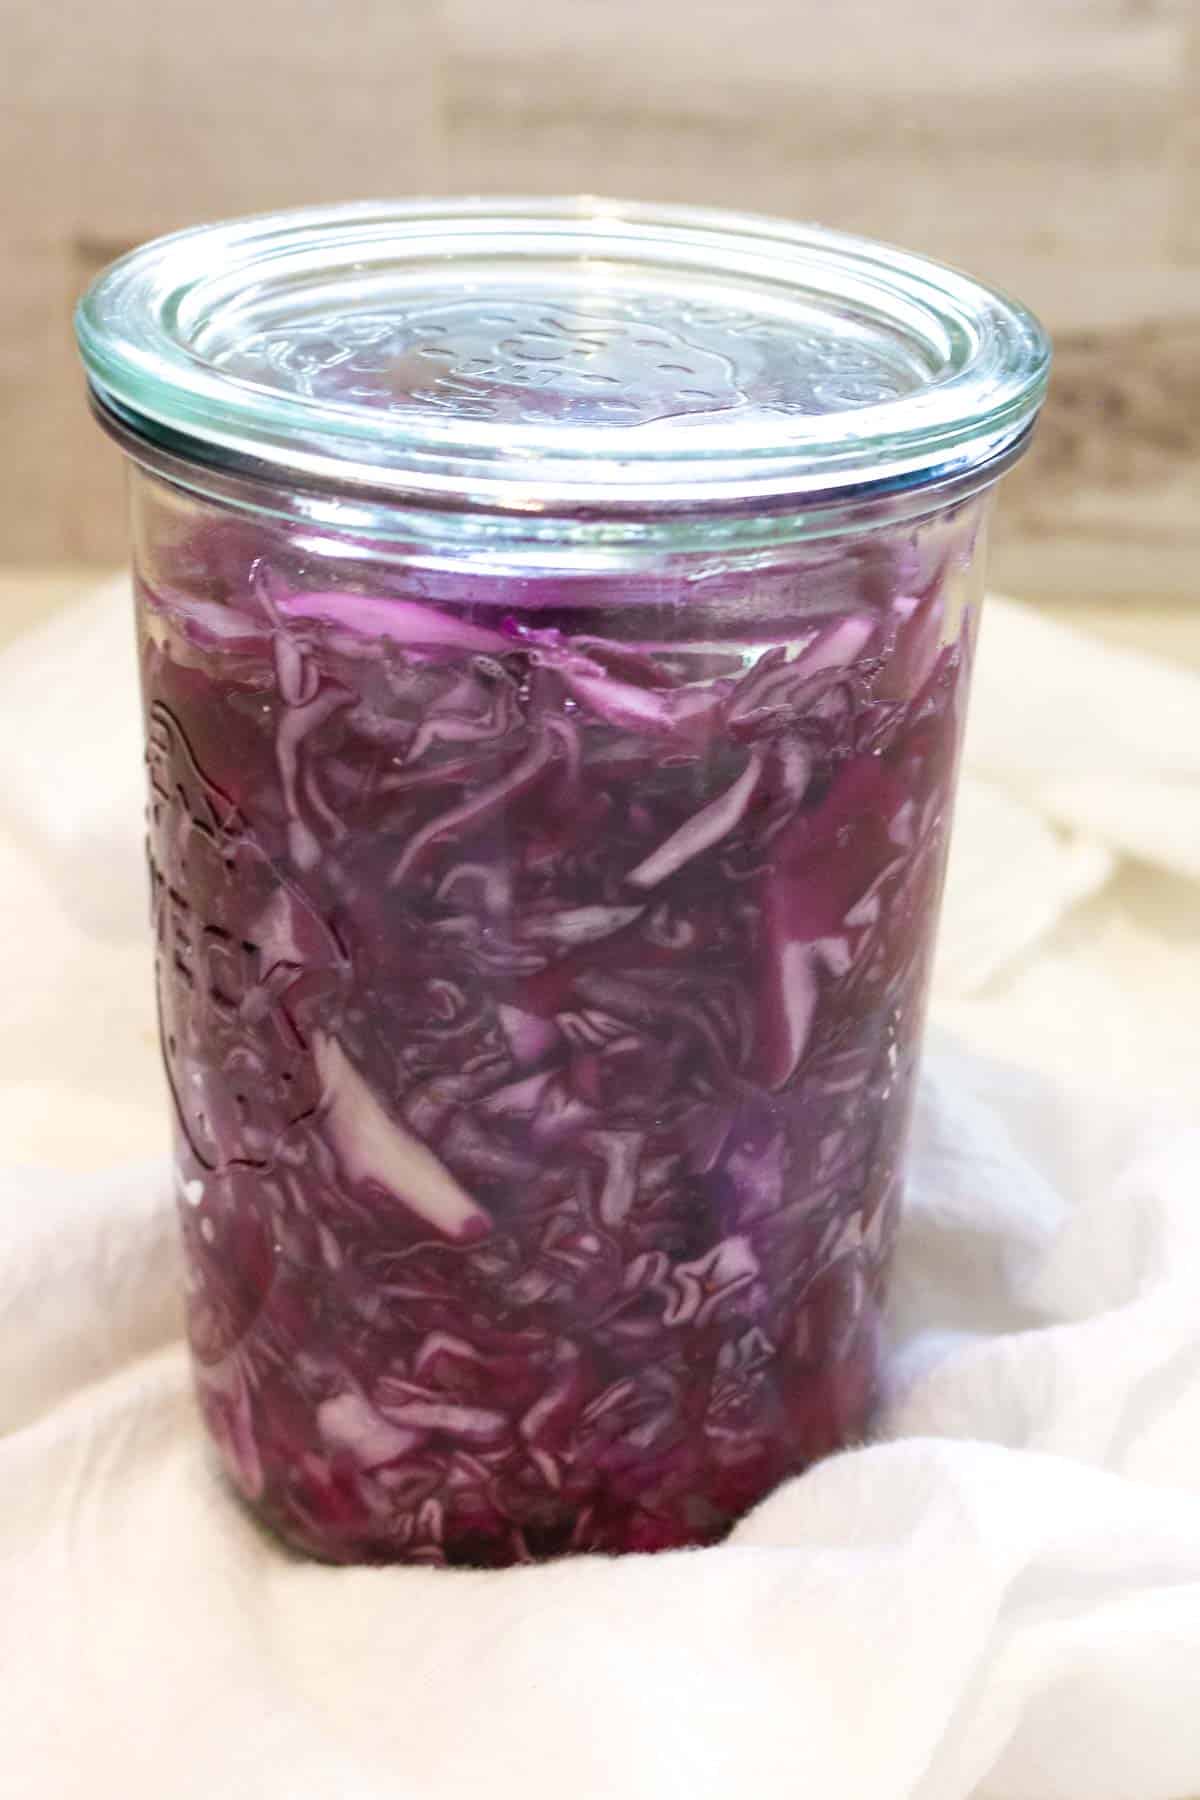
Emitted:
pixel 540 1011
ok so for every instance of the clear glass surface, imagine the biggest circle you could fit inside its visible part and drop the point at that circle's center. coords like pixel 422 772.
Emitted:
pixel 555 623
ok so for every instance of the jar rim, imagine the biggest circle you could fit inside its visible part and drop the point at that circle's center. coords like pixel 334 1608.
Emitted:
pixel 807 363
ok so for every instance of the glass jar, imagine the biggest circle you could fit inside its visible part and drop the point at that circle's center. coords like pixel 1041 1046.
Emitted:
pixel 555 622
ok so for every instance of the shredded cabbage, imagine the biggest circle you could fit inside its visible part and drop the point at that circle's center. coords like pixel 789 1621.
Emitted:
pixel 540 1010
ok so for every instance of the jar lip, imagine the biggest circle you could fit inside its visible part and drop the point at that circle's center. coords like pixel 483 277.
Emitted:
pixel 571 355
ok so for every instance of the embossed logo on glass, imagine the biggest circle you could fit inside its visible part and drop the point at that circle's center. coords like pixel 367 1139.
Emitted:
pixel 603 359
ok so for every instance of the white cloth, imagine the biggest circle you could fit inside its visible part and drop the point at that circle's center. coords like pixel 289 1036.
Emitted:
pixel 1000 1599
pixel 1006 1602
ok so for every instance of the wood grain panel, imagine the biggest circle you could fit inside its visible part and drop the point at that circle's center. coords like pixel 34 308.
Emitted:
pixel 245 107
pixel 1051 145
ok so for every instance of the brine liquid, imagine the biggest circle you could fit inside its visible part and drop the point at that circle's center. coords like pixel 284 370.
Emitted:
pixel 540 990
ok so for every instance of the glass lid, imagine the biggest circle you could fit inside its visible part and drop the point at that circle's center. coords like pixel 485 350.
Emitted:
pixel 542 355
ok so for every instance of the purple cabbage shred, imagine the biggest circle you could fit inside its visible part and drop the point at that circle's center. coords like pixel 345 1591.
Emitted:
pixel 540 1012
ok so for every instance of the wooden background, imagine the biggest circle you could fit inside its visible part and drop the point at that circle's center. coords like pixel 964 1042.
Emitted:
pixel 1051 145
